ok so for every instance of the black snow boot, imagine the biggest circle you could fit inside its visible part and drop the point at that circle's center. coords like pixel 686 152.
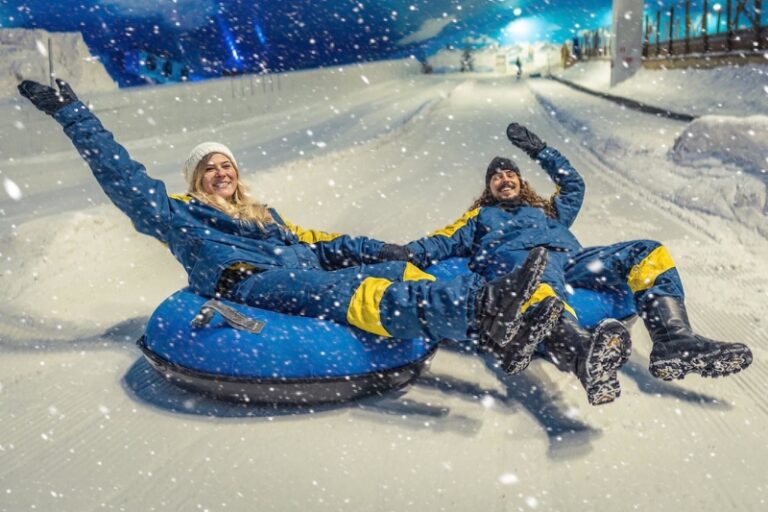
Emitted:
pixel 678 351
pixel 499 303
pixel 595 358
pixel 537 323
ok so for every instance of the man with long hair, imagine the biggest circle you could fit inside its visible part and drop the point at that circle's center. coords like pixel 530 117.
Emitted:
pixel 509 219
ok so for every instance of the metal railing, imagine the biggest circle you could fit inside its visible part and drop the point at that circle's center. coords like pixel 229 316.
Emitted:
pixel 688 26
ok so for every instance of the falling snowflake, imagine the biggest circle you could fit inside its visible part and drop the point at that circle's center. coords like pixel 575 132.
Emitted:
pixel 595 266
pixel 509 479
pixel 41 48
pixel 12 189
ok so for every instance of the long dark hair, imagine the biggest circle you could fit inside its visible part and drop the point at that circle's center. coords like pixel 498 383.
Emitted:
pixel 528 197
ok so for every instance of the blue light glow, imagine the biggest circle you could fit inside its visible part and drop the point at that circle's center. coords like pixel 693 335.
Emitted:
pixel 260 33
pixel 229 40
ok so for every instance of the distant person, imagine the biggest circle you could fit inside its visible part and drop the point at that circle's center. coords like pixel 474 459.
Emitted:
pixel 565 55
pixel 467 60
pixel 596 42
pixel 519 66
pixel 510 218
pixel 237 249
pixel 576 49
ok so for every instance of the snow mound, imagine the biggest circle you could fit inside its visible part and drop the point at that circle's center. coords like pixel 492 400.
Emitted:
pixel 24 55
pixel 50 264
pixel 742 141
pixel 734 90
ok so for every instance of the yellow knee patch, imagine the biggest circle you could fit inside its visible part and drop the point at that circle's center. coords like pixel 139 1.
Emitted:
pixel 542 292
pixel 363 311
pixel 414 273
pixel 644 274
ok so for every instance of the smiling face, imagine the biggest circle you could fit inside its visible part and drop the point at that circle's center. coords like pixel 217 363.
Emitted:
pixel 219 176
pixel 504 185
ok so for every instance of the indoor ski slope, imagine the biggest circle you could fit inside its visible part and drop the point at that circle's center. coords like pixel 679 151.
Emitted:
pixel 87 425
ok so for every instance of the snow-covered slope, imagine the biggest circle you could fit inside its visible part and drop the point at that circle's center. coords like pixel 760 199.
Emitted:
pixel 729 90
pixel 716 164
pixel 87 425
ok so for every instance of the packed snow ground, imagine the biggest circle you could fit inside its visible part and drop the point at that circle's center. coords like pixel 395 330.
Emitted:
pixel 88 425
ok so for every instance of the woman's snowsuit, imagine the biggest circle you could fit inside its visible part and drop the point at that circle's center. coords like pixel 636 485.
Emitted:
pixel 497 238
pixel 290 269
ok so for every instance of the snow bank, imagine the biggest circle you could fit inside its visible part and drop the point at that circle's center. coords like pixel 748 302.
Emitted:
pixel 728 90
pixel 739 141
pixel 640 148
pixel 51 263
pixel 24 55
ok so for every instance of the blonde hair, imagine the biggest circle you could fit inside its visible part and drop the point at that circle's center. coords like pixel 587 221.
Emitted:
pixel 239 206
pixel 528 197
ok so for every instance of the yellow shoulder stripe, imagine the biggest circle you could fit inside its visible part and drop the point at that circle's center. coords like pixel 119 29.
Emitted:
pixel 453 228
pixel 181 197
pixel 414 273
pixel 310 236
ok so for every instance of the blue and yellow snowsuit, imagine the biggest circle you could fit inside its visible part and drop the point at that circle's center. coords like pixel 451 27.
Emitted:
pixel 497 238
pixel 291 270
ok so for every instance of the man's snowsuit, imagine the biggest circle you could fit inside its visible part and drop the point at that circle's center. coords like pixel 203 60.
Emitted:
pixel 497 238
pixel 288 269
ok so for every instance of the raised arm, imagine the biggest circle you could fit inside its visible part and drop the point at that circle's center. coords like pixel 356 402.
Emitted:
pixel 570 186
pixel 125 181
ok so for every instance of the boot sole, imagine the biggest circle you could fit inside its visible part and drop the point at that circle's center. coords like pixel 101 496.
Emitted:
pixel 609 352
pixel 717 363
pixel 504 330
pixel 523 345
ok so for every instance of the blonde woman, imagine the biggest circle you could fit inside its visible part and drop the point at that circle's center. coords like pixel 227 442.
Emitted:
pixel 238 249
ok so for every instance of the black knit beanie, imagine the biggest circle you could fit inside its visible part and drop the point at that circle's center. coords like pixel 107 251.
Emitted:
pixel 497 164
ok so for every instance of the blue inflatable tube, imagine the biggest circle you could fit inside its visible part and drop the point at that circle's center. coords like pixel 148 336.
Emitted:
pixel 300 360
pixel 591 306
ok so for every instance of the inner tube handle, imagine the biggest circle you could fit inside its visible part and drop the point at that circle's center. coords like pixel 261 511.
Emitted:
pixel 233 317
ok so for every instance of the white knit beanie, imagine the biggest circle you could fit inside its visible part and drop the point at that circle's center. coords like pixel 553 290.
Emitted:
pixel 197 154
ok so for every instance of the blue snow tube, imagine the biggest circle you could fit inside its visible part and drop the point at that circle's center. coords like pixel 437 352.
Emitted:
pixel 282 359
pixel 591 306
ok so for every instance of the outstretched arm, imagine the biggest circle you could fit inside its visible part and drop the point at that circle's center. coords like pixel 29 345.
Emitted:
pixel 335 250
pixel 125 181
pixel 454 240
pixel 570 186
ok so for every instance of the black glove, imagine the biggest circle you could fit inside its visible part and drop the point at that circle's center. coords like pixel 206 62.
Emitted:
pixel 526 140
pixel 45 98
pixel 393 252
